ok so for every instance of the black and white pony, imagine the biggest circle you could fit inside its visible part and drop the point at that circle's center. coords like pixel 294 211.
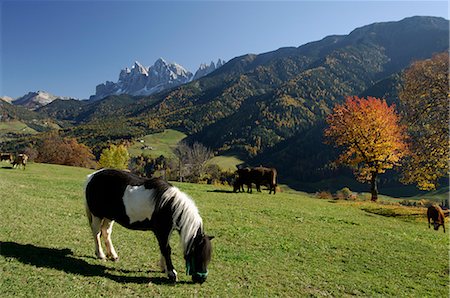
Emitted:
pixel 147 204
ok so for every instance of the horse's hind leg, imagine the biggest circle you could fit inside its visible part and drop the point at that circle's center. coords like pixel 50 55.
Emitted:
pixel 162 264
pixel 96 226
pixel 107 226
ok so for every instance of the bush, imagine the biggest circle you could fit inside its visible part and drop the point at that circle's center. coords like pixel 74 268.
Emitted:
pixel 63 151
pixel 324 195
pixel 345 194
pixel 115 157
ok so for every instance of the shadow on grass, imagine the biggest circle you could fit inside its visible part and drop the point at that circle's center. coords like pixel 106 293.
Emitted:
pixel 63 260
pixel 221 191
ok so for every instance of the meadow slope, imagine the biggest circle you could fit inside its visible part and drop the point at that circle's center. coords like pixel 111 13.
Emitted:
pixel 289 244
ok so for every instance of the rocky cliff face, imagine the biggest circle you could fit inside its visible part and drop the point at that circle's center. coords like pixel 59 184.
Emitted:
pixel 206 69
pixel 141 80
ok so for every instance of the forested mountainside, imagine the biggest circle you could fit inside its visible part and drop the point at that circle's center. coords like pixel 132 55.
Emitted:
pixel 269 108
pixel 36 121
pixel 256 101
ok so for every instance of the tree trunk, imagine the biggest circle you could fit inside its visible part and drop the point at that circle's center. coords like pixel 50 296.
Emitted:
pixel 373 187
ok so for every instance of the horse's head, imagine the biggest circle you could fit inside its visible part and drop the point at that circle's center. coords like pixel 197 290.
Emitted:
pixel 198 259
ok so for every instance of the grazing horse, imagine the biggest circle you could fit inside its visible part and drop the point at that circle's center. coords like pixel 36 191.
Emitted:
pixel 147 204
pixel 7 156
pixel 20 160
pixel 435 213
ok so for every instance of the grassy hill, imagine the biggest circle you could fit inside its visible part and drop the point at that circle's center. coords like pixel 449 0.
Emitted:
pixel 225 162
pixel 8 128
pixel 289 244
pixel 157 144
pixel 164 143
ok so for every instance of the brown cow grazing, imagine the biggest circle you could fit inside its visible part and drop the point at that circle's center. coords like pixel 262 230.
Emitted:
pixel 259 176
pixel 435 213
pixel 6 156
pixel 264 176
pixel 20 160
pixel 243 179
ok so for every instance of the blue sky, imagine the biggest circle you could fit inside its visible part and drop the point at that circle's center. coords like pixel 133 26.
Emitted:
pixel 68 47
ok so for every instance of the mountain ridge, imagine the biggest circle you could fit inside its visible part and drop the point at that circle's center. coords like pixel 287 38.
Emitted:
pixel 36 99
pixel 142 81
pixel 264 107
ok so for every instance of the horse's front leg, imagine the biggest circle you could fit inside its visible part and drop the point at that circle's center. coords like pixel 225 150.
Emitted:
pixel 166 250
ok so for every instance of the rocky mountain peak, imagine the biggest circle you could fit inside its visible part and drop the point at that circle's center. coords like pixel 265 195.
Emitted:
pixel 206 69
pixel 141 80
pixel 36 99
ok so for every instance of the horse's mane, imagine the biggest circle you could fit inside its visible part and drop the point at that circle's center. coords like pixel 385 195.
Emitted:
pixel 186 217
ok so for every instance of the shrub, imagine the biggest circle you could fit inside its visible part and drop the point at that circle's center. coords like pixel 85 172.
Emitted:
pixel 345 194
pixel 324 195
pixel 115 157
pixel 63 151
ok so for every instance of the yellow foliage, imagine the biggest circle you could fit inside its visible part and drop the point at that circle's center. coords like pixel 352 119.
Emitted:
pixel 115 157
pixel 369 132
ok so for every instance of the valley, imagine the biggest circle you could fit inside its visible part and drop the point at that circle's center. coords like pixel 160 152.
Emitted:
pixel 265 109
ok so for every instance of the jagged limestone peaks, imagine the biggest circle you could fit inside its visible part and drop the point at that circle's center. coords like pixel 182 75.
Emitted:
pixel 141 80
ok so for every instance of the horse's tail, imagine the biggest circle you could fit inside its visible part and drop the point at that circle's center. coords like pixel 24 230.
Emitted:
pixel 88 213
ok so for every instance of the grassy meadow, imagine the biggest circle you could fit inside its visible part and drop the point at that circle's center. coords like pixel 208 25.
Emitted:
pixel 227 163
pixel 157 144
pixel 14 127
pixel 289 244
pixel 164 143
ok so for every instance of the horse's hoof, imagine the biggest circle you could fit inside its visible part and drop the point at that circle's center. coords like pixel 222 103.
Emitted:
pixel 114 259
pixel 172 276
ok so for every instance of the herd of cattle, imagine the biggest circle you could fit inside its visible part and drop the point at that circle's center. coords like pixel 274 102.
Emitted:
pixel 258 176
pixel 268 176
pixel 17 160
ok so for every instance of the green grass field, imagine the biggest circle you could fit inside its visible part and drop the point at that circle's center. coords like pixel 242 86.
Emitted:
pixel 162 143
pixel 227 163
pixel 14 127
pixel 290 244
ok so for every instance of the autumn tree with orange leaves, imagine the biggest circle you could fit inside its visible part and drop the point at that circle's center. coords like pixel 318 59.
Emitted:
pixel 425 98
pixel 370 135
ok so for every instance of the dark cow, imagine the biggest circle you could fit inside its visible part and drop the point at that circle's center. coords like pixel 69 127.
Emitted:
pixel 259 176
pixel 20 160
pixel 435 213
pixel 264 176
pixel 6 156
pixel 243 178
